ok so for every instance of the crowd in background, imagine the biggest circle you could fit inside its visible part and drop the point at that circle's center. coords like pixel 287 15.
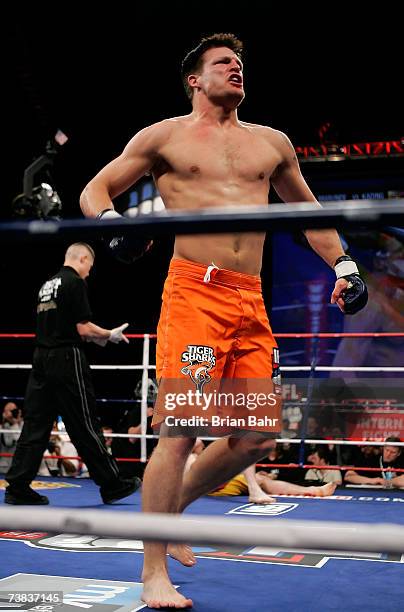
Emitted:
pixel 61 458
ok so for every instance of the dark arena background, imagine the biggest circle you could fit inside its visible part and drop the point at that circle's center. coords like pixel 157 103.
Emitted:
pixel 330 80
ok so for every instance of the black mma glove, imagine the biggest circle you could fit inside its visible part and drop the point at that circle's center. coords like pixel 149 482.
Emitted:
pixel 355 296
pixel 126 249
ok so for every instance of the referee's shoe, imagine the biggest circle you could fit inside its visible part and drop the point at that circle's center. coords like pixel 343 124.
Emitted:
pixel 126 486
pixel 24 496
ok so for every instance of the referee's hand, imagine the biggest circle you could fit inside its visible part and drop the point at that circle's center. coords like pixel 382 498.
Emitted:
pixel 117 335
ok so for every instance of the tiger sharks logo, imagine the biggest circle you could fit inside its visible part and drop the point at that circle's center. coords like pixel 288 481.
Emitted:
pixel 201 361
pixel 198 373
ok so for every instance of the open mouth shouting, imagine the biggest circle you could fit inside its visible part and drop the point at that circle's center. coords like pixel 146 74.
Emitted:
pixel 236 79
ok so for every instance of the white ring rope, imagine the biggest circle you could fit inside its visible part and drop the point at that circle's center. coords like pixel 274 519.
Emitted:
pixel 143 405
pixel 304 368
pixel 277 440
pixel 203 530
pixel 28 366
pixel 218 220
pixel 342 368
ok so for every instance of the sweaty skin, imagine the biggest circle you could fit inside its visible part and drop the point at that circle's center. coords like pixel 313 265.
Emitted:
pixel 211 159
pixel 208 158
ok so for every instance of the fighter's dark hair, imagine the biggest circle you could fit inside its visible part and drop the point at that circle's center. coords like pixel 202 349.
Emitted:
pixel 192 62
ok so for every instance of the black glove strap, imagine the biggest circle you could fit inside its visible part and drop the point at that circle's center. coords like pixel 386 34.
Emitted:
pixel 99 216
pixel 343 258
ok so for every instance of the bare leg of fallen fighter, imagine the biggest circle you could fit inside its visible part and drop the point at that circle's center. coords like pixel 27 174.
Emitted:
pixel 280 487
pixel 255 493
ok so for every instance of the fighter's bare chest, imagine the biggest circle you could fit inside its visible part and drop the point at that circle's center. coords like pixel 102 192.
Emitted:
pixel 212 153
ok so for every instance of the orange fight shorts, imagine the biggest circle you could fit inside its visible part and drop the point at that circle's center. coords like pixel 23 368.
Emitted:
pixel 217 359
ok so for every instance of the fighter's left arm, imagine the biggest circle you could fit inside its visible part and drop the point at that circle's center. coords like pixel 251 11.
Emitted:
pixel 349 292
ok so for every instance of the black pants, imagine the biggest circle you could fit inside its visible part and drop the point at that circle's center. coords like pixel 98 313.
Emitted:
pixel 60 384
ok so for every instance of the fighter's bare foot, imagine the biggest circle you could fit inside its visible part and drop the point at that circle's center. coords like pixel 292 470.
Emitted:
pixel 323 491
pixel 182 553
pixel 158 592
pixel 328 489
pixel 263 499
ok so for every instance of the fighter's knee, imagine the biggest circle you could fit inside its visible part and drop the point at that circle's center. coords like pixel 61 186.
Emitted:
pixel 258 446
pixel 174 447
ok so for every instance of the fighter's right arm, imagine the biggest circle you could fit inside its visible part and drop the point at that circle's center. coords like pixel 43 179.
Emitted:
pixel 138 157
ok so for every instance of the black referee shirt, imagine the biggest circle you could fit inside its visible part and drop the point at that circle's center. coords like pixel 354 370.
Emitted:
pixel 62 303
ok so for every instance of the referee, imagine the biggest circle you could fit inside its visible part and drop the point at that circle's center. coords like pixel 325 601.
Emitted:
pixel 60 384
